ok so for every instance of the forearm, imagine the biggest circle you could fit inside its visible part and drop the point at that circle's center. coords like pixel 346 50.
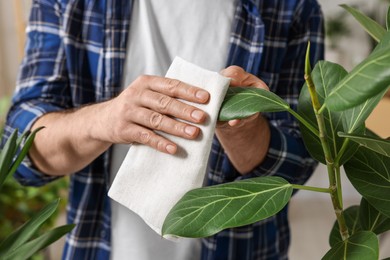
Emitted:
pixel 248 147
pixel 67 143
pixel 73 139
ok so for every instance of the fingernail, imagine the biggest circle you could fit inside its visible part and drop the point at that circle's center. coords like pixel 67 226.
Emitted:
pixel 190 130
pixel 170 149
pixel 202 95
pixel 197 115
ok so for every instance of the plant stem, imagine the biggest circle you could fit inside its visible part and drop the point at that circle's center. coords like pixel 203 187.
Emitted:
pixel 342 150
pixel 339 187
pixel 334 178
pixel 332 168
pixel 316 189
pixel 322 108
pixel 304 122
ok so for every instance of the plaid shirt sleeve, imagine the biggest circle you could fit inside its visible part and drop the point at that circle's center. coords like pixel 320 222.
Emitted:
pixel 42 86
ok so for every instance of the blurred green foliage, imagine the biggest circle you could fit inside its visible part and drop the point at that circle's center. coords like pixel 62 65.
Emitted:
pixel 18 204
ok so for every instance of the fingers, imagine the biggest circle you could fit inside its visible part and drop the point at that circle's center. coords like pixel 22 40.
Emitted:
pixel 156 121
pixel 175 88
pixel 153 103
pixel 145 136
pixel 167 105
pixel 235 123
pixel 239 77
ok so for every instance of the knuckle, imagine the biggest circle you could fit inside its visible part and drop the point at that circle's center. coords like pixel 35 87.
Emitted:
pixel 236 69
pixel 130 94
pixel 233 71
pixel 164 102
pixel 143 137
pixel 187 110
pixel 191 91
pixel 160 145
pixel 123 109
pixel 179 128
pixel 155 120
pixel 142 78
pixel 172 85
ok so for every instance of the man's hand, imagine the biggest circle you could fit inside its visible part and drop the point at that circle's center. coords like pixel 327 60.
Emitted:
pixel 245 141
pixel 72 139
pixel 151 103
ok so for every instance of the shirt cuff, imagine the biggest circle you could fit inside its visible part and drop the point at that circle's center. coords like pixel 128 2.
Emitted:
pixel 22 117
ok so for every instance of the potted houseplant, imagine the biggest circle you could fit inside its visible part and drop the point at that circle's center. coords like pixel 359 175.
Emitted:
pixel 332 109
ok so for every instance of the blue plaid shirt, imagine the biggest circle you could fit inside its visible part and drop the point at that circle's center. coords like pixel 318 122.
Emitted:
pixel 75 56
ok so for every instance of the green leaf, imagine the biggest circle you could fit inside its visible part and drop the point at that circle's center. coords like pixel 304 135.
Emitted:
pixel 206 211
pixel 325 76
pixel 25 232
pixel 241 102
pixel 375 144
pixel 372 27
pixel 363 245
pixel 384 43
pixel 28 249
pixel 368 79
pixel 26 147
pixel 351 216
pixel 369 173
pixel 371 219
pixel 7 155
pixel 355 117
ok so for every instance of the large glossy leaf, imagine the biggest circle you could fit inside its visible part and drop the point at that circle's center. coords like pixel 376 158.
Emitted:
pixel 372 27
pixel 242 102
pixel 369 173
pixel 363 245
pixel 351 216
pixel 26 250
pixel 325 76
pixel 354 117
pixel 358 114
pixel 25 232
pixel 206 211
pixel 375 144
pixel 368 79
pixel 371 219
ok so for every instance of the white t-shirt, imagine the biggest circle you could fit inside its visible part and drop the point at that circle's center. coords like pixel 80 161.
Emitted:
pixel 197 31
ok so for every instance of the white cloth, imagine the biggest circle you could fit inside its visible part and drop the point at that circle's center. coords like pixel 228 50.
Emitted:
pixel 199 32
pixel 150 182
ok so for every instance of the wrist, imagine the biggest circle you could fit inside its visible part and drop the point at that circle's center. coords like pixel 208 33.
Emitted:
pixel 96 122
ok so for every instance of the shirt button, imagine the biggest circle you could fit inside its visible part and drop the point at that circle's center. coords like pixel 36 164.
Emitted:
pixel 103 233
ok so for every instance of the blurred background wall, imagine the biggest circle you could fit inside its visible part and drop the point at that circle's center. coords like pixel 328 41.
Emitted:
pixel 346 44
pixel 13 15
